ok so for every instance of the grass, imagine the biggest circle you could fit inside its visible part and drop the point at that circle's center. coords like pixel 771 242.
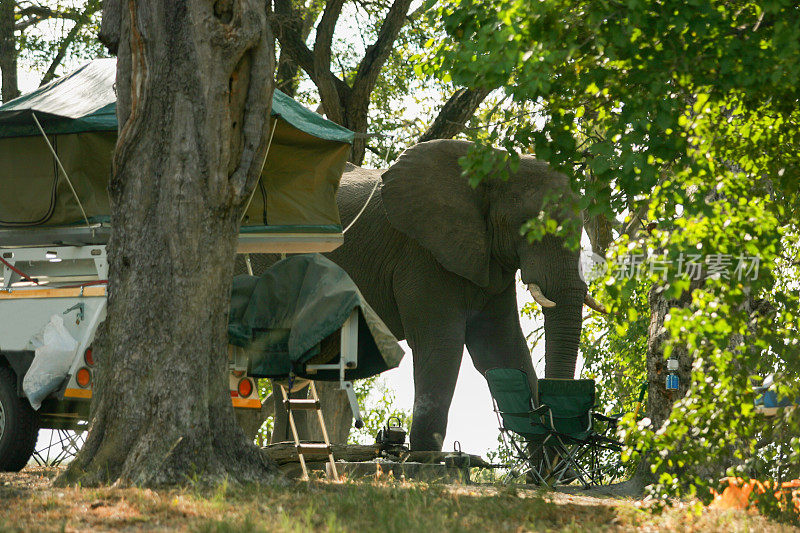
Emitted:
pixel 28 502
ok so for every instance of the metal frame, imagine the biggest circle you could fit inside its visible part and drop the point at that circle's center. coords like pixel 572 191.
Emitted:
pixel 348 360
pixel 63 444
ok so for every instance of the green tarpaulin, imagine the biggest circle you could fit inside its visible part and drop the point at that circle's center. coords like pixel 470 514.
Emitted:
pixel 292 315
pixel 78 112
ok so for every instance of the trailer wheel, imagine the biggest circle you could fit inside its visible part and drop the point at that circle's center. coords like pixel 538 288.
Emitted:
pixel 19 425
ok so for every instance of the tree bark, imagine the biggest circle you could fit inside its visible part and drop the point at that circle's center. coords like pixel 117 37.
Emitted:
pixel 455 113
pixel 194 86
pixel 8 50
pixel 287 70
pixel 251 420
pixel 335 411
pixel 598 228
pixel 659 399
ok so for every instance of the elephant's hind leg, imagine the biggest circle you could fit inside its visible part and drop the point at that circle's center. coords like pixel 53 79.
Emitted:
pixel 495 339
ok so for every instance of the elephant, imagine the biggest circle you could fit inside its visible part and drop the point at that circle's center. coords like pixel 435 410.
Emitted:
pixel 437 260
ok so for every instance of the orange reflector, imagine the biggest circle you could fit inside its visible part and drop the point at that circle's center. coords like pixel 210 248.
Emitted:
pixel 246 403
pixel 88 356
pixel 245 388
pixel 83 377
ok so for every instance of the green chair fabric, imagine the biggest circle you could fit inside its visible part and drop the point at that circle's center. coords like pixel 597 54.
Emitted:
pixel 512 392
pixel 570 402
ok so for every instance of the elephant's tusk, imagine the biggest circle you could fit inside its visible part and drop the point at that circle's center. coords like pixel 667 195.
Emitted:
pixel 594 304
pixel 539 296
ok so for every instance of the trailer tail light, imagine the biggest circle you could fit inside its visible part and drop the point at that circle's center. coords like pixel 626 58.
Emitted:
pixel 83 377
pixel 245 388
pixel 88 356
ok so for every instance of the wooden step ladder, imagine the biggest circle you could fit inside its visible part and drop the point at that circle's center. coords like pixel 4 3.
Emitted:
pixel 311 449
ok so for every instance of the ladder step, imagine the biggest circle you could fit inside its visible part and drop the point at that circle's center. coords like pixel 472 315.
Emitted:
pixel 314 449
pixel 302 405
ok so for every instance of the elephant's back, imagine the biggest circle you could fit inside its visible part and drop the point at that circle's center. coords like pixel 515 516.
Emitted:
pixel 355 188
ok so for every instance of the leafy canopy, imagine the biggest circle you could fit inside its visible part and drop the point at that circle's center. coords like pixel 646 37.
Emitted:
pixel 687 112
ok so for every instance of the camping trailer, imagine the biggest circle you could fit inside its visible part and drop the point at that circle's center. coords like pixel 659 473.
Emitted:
pixel 56 148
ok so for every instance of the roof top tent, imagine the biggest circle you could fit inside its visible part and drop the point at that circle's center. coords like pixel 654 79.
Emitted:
pixel 293 208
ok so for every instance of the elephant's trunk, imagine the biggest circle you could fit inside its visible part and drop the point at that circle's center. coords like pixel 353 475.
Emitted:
pixel 562 330
pixel 551 273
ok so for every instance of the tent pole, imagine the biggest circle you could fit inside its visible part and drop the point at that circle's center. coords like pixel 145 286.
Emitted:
pixel 69 182
pixel 252 194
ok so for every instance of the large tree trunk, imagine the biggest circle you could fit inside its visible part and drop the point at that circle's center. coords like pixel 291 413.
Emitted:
pixel 8 50
pixel 194 87
pixel 659 399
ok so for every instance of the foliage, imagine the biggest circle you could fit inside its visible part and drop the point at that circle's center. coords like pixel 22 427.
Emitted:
pixel 772 499
pixel 264 387
pixel 401 105
pixel 686 114
pixel 614 354
pixel 52 36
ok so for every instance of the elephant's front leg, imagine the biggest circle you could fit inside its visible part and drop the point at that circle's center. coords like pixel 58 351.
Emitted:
pixel 432 310
pixel 437 358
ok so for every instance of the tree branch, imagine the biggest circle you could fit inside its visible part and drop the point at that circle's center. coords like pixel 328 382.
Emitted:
pixel 454 114
pixel 286 74
pixel 62 50
pixel 92 7
pixel 323 77
pixel 375 57
pixel 37 14
pixel 287 25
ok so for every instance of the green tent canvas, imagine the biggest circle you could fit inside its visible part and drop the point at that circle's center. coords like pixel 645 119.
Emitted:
pixel 78 112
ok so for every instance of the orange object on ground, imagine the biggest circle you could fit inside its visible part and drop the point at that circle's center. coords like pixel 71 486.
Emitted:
pixel 735 496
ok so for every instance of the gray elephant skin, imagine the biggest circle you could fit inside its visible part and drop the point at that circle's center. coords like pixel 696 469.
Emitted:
pixel 437 260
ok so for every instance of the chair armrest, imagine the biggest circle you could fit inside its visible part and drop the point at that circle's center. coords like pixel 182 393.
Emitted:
pixel 604 418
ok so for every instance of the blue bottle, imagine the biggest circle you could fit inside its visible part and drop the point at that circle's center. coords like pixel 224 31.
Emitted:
pixel 672 376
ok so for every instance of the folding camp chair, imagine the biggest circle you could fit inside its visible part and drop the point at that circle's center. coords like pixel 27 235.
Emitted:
pixel 557 442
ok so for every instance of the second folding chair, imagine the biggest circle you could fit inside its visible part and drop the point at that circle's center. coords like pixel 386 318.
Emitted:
pixel 556 442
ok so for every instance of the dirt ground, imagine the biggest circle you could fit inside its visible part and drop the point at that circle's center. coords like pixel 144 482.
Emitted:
pixel 29 502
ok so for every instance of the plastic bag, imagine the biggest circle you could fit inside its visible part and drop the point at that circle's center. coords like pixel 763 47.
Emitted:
pixel 55 350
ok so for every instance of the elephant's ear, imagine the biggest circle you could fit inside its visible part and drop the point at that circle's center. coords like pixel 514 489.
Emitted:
pixel 426 197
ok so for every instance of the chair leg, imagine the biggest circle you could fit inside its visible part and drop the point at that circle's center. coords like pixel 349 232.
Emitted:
pixel 573 462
